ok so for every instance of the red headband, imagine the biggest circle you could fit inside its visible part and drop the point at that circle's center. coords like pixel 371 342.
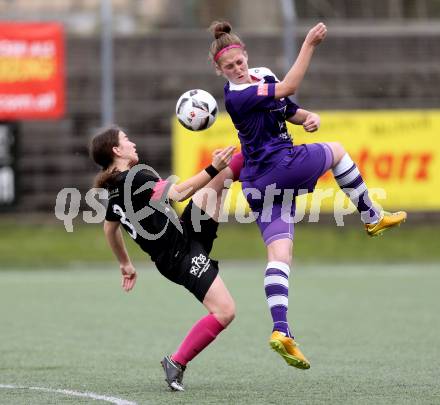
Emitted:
pixel 222 51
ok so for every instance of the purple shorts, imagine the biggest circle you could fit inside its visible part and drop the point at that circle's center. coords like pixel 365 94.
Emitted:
pixel 272 196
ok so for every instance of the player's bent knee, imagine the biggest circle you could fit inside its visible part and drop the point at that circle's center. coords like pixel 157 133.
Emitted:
pixel 226 314
pixel 338 151
pixel 229 312
pixel 341 148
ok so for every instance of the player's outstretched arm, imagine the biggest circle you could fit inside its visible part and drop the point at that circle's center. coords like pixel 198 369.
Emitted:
pixel 289 85
pixel 187 188
pixel 115 240
pixel 308 119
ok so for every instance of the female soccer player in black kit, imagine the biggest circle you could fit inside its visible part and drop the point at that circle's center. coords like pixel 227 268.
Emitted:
pixel 139 201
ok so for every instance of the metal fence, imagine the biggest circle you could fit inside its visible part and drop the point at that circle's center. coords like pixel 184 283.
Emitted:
pixel 82 16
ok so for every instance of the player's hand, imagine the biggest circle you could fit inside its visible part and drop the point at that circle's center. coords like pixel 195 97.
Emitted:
pixel 128 276
pixel 216 152
pixel 312 122
pixel 222 157
pixel 316 35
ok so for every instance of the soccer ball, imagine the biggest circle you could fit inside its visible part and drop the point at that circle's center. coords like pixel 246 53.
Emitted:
pixel 196 110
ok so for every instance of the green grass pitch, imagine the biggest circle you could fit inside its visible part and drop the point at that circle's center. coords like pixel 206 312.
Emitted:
pixel 370 332
pixel 41 246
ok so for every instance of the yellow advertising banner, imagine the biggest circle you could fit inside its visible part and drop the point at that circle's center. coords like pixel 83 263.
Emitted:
pixel 397 152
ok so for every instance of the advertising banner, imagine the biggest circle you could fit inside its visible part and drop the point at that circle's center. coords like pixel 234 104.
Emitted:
pixel 8 157
pixel 31 71
pixel 397 152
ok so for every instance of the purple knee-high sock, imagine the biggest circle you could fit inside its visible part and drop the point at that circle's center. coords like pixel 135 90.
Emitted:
pixel 349 178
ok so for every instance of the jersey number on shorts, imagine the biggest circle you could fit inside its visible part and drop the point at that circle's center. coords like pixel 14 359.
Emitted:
pixel 118 211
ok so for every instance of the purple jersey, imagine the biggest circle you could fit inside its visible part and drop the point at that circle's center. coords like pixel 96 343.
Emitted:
pixel 260 120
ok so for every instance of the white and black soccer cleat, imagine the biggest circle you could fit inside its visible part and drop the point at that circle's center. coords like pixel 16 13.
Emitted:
pixel 173 373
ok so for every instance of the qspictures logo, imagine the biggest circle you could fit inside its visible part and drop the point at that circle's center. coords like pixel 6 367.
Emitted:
pixel 272 200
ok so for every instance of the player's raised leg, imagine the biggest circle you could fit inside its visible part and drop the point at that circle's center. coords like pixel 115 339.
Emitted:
pixel 350 180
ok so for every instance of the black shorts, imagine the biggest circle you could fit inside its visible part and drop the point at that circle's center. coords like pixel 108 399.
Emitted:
pixel 196 271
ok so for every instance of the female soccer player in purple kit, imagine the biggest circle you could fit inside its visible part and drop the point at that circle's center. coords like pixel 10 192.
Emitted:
pixel 259 107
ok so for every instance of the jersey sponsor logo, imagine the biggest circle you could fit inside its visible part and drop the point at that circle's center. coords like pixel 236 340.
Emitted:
pixel 263 89
pixel 280 116
pixel 200 264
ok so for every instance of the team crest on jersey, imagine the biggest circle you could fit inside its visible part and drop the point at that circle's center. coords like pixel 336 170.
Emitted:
pixel 200 264
pixel 263 89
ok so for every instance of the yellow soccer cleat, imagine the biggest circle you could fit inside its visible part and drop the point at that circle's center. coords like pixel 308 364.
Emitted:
pixel 287 348
pixel 387 220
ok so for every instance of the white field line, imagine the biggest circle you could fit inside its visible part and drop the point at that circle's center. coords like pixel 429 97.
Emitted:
pixel 92 395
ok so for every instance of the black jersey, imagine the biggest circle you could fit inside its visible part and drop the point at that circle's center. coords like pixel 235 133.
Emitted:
pixel 160 232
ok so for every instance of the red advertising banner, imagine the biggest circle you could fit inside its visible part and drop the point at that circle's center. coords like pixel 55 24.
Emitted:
pixel 31 71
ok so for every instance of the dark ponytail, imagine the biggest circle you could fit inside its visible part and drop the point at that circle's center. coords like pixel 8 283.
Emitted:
pixel 101 151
